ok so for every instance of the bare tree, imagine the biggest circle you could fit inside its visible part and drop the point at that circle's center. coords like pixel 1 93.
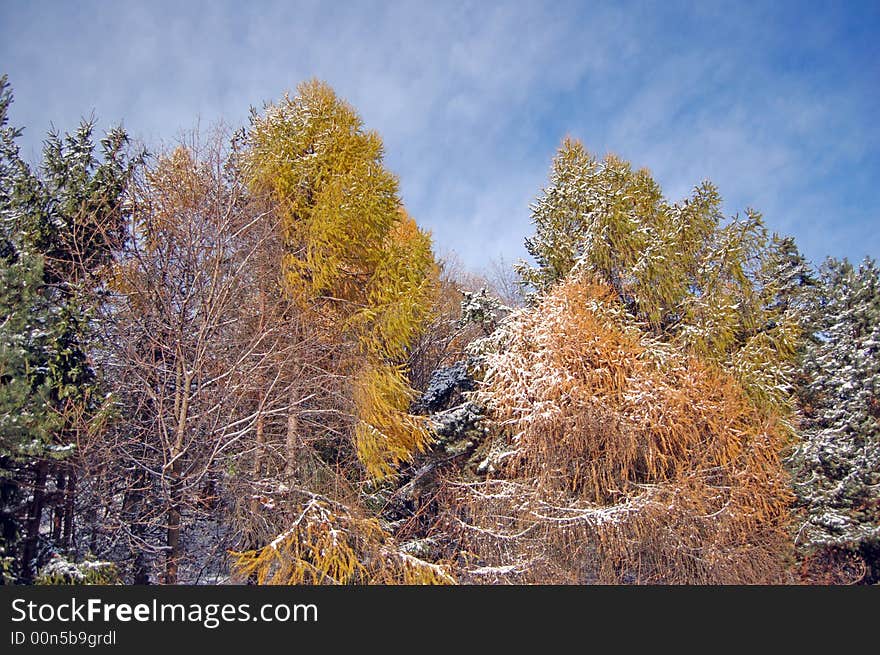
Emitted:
pixel 196 357
pixel 505 282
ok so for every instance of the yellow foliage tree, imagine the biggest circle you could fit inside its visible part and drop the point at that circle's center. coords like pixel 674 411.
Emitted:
pixel 327 544
pixel 364 276
pixel 679 268
pixel 353 257
pixel 620 458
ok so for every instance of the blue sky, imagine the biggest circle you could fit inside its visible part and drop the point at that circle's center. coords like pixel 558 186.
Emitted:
pixel 777 103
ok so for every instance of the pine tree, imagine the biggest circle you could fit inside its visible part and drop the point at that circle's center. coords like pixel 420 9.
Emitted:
pixel 561 217
pixel 788 279
pixel 27 419
pixel 60 227
pixel 613 221
pixel 26 416
pixel 838 462
pixel 24 349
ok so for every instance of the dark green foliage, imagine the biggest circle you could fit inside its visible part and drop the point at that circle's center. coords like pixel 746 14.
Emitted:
pixel 59 228
pixel 838 462
pixel 788 278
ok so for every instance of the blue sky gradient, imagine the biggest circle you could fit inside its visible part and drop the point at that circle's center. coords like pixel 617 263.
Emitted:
pixel 776 102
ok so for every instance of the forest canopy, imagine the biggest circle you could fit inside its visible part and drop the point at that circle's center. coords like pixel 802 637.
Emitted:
pixel 240 359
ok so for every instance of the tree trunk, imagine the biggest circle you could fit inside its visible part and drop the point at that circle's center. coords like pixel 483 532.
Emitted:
pixel 294 440
pixel 35 516
pixel 10 519
pixel 59 506
pixel 174 548
pixel 131 511
pixel 67 539
pixel 173 554
pixel 141 569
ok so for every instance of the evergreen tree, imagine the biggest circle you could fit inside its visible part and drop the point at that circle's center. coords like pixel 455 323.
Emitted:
pixel 788 279
pixel 838 462
pixel 614 221
pixel 26 417
pixel 60 227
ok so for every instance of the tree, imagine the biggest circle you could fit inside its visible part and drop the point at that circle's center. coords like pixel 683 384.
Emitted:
pixel 640 406
pixel 838 461
pixel 617 458
pixel 60 229
pixel 195 359
pixel 788 279
pixel 353 257
pixel 364 276
pixel 613 220
pixel 678 268
pixel 27 421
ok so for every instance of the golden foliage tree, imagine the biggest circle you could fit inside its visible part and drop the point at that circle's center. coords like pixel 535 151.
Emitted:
pixel 353 257
pixel 621 459
pixel 680 268
pixel 364 277
pixel 328 544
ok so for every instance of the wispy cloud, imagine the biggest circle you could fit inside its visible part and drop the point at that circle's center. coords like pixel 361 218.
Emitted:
pixel 775 104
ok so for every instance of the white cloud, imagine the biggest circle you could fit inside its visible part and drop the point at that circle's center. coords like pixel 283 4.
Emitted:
pixel 472 98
